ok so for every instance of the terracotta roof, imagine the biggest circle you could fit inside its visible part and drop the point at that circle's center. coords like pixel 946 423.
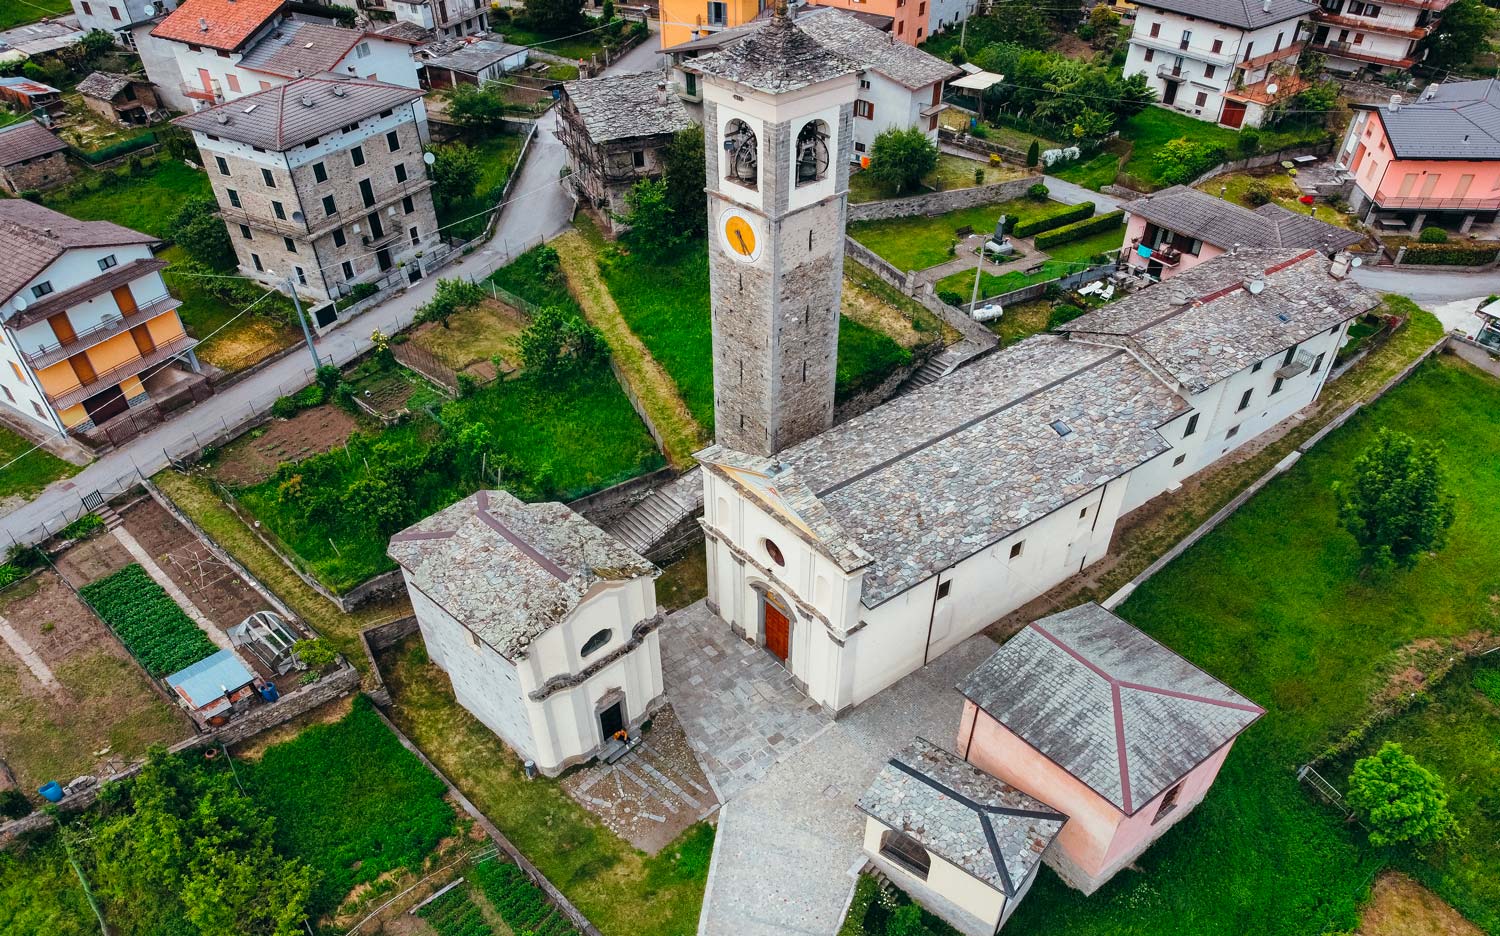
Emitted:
pixel 27 140
pixel 292 114
pixel 217 24
pixel 1114 708
pixel 31 237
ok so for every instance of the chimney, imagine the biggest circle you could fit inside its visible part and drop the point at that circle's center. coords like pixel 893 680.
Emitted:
pixel 1341 264
pixel 1265 6
pixel 202 24
pixel 661 92
pixel 1395 103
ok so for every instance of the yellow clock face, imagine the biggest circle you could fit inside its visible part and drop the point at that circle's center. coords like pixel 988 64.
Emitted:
pixel 740 235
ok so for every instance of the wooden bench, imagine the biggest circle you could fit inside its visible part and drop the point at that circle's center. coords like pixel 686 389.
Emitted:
pixel 964 231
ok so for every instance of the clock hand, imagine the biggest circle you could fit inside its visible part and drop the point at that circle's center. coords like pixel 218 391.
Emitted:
pixel 744 248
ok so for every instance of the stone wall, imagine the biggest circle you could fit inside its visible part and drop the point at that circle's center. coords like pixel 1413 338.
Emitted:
pixel 1264 160
pixel 873 397
pixel 38 174
pixel 381 637
pixel 935 203
pixel 602 507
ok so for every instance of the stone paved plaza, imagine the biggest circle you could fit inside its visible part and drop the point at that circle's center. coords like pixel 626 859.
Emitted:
pixel 738 706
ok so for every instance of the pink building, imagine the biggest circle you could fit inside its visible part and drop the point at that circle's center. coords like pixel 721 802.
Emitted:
pixel 1087 714
pixel 1178 228
pixel 1432 160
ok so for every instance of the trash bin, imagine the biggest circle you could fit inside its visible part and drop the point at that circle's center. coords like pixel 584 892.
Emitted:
pixel 51 792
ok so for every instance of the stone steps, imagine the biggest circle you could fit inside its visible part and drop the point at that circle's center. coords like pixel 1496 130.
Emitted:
pixel 649 521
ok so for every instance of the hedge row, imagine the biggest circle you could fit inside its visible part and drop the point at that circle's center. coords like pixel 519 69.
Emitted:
pixel 1065 215
pixel 1080 229
pixel 147 621
pixel 1450 254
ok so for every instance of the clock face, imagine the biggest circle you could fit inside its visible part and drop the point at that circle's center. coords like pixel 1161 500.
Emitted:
pixel 741 235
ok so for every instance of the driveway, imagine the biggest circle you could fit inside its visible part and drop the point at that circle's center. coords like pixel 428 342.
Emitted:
pixel 1429 288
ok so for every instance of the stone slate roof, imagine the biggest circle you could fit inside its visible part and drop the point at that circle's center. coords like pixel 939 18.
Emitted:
pixel 935 476
pixel 406 31
pixel 776 58
pixel 105 85
pixel 217 24
pixel 296 49
pixel 280 118
pixel 27 140
pixel 880 52
pixel 1206 324
pixel 509 571
pixel 468 55
pixel 1448 121
pixel 1245 14
pixel 32 237
pixel 1109 705
pixel 963 815
pixel 622 107
pixel 1224 224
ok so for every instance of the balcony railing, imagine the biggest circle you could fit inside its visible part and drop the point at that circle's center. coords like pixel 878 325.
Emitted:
pixel 1429 203
pixel 1170 72
pixel 325 222
pixel 1348 50
pixel 213 94
pixel 114 375
pixel 1300 364
pixel 1364 24
pixel 1259 61
pixel 50 354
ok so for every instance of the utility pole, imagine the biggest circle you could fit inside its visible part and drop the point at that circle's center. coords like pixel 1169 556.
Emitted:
pixel 291 289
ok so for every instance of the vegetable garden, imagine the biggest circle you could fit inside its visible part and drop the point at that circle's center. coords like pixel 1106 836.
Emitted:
pixel 147 621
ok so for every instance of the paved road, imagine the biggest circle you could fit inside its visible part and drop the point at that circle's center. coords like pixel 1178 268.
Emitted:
pixel 539 209
pixel 1429 287
pixel 1069 194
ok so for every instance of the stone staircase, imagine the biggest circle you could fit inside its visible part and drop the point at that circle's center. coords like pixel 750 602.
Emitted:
pixel 654 520
pixel 941 365
pixel 110 518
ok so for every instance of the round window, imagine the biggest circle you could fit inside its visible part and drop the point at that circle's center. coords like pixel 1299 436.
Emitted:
pixel 774 552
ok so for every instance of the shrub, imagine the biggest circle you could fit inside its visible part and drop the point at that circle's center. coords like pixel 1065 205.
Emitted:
pixel 359 292
pixel 1397 506
pixel 900 158
pixel 1404 802
pixel 1450 254
pixel 14 804
pixel 1248 143
pixel 451 297
pixel 1180 161
pixel 1433 235
pixel 906 920
pixel 1259 193
pixel 556 343
pixel 1066 214
pixel 1038 192
pixel 82 527
pixel 200 232
pixel 1079 229
pixel 979 176
pixel 950 297
pixel 147 621
pixel 1063 314
pixel 316 652
pixel 1033 153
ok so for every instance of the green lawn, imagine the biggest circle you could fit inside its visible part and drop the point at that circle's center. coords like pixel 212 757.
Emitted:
pixel 920 242
pixel 952 172
pixel 1311 641
pixel 21 12
pixel 1093 173
pixel 465 219
pixel 146 203
pixel 1235 186
pixel 1154 127
pixel 1065 258
pixel 34 471
pixel 231 341
pixel 571 46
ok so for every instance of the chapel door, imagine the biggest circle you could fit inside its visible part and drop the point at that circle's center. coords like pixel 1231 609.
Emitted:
pixel 778 631
pixel 612 720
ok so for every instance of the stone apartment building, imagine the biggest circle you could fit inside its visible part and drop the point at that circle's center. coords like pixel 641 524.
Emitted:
pixel 321 180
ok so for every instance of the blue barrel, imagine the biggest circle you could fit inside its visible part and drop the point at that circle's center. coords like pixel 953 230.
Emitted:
pixel 269 692
pixel 52 793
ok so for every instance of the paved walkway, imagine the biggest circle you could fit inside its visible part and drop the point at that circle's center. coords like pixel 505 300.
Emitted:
pixel 787 843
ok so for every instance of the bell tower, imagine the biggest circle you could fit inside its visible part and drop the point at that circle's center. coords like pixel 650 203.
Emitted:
pixel 777 113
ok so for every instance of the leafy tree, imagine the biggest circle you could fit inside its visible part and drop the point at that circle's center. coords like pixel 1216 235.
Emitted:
pixel 900 158
pixel 451 297
pixel 1397 506
pixel 686 181
pixel 1462 33
pixel 383 500
pixel 1034 153
pixel 476 108
pixel 1105 25
pixel 1180 161
pixel 455 172
pixel 554 17
pixel 199 230
pixel 653 226
pixel 556 343
pixel 14 804
pixel 180 850
pixel 1404 802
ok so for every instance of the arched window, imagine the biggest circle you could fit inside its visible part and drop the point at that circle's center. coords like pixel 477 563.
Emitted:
pixel 774 552
pixel 812 152
pixel 741 154
pixel 593 644
pixel 906 852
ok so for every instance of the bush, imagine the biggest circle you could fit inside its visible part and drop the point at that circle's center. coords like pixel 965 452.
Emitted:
pixel 1259 193
pixel 14 804
pixel 1079 229
pixel 1404 802
pixel 900 158
pixel 148 622
pixel 1063 314
pixel 288 406
pixel 1450 254
pixel 521 904
pixel 1037 192
pixel 556 343
pixel 1066 214
pixel 1248 143
pixel 82 527
pixel 316 653
pixel 950 297
pixel 1033 153
pixel 1180 161
pixel 201 233
pixel 359 292
pixel 1433 235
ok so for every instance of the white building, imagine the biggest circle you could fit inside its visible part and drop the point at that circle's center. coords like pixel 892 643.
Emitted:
pixel 1224 61
pixel 860 554
pixel 445 17
pixel 949 14
pixel 119 16
pixel 211 51
pixel 546 624
pixel 1384 36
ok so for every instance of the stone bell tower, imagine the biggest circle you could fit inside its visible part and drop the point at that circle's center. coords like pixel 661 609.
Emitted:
pixel 777 117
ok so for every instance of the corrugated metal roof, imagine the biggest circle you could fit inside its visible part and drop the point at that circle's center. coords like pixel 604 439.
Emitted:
pixel 210 678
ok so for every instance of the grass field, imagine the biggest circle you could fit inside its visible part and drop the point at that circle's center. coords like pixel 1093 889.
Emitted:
pixel 146 203
pixel 24 475
pixel 231 341
pixel 1311 641
pixel 1065 258
pixel 1236 185
pixel 466 218
pixel 952 172
pixel 579 46
pixel 21 12
pixel 917 243
pixel 1154 127
pixel 1093 173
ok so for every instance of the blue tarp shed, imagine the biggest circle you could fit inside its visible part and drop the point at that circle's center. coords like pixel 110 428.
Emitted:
pixel 205 683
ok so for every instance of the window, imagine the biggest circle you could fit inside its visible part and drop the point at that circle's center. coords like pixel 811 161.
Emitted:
pixel 415 237
pixel 320 172
pixel 393 140
pixel 301 276
pixel 1255 368
pixel 594 643
pixel 234 197
pixel 1276 387
pixel 268 178
pixel 901 28
pixel 255 259
pixel 718 14
pixel 865 109
pixel 774 552
pixel 86 10
pixel 742 154
pixel 1202 99
pixel 330 207
pixel 1192 426
pixel 811 156
pixel 1244 400
pixel 8 395
pixel 338 237
pixel 38 407
pixel 400 172
pixel 357 155
pixel 291 245
pixel 41 289
pixel 234 81
pixel 223 166
pixel 859 147
pixel 245 232
pixel 407 205
pixel 107 262
pixel 1317 363
pixel 1017 548
pixel 942 589
pixel 1248 47
pixel 362 50
pixel 1083 513
pixel 1290 353
pixel 638 159
pixel 864 84
pixel 348 269
pixel 114 13
pixel 474 639
pixel 19 374
pixel 1168 803
pixel 1179 460
pixel 1155 30
pixel 1150 54
pixel 906 853
pixel 922 8
pixel 1208 71
pixel 1187 37
pixel 1218 46
pixel 278 210
pixel 367 192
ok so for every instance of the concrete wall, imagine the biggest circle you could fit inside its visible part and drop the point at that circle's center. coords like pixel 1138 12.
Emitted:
pixel 970 906
pixel 935 203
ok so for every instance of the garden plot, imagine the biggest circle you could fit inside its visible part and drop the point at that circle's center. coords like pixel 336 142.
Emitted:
pixel 91 559
pixel 475 337
pixel 98 713
pixel 255 456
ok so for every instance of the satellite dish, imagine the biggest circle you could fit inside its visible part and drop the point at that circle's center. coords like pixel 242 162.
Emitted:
pixel 1357 262
pixel 429 158
pixel 150 9
pixel 297 216
pixel 1272 88
pixel 21 303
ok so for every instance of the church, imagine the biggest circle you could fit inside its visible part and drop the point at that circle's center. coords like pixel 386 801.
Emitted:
pixel 857 553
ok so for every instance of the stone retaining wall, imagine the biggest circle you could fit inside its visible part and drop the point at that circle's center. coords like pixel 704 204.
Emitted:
pixel 935 203
pixel 602 507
